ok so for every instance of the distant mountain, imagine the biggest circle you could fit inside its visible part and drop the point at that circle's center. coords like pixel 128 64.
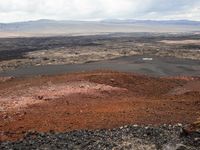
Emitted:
pixel 33 25
pixel 47 27
pixel 157 22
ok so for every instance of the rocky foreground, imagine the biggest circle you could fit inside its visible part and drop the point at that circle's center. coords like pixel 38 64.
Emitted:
pixel 86 111
pixel 166 137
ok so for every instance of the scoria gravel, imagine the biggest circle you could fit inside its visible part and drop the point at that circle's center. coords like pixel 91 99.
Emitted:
pixel 165 137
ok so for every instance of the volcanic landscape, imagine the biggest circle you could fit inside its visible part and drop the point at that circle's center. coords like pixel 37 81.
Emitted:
pixel 118 91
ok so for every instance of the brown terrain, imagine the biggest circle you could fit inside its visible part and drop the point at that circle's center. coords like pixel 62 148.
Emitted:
pixel 41 51
pixel 94 100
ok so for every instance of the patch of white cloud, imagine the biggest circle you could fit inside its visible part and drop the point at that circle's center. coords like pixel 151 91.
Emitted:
pixel 22 10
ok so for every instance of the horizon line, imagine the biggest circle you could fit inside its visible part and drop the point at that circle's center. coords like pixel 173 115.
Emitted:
pixel 97 20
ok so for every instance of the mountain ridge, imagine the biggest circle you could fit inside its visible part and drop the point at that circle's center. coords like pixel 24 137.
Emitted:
pixel 190 22
pixel 46 27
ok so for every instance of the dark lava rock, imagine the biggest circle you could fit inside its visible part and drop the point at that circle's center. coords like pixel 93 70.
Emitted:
pixel 134 137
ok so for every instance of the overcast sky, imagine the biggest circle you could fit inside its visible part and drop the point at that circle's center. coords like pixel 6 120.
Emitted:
pixel 23 10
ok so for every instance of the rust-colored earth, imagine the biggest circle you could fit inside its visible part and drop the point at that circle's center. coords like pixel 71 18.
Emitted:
pixel 93 100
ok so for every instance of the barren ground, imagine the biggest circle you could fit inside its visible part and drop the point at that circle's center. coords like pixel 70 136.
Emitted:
pixel 40 51
pixel 186 42
pixel 94 100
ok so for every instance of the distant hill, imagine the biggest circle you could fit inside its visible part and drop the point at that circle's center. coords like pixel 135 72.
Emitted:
pixel 155 22
pixel 46 27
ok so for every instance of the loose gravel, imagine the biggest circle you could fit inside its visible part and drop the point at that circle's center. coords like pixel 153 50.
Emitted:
pixel 166 137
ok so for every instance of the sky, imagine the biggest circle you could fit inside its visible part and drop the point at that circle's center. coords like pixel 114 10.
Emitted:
pixel 24 10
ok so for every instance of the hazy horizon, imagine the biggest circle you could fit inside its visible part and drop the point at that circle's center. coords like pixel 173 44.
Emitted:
pixel 94 10
pixel 99 20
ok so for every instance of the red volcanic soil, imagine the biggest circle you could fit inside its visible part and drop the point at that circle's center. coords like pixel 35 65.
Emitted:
pixel 93 100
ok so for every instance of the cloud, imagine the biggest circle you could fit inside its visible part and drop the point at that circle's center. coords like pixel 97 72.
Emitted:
pixel 20 10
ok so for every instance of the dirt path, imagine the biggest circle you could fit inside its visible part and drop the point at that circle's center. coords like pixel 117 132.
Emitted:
pixel 94 100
